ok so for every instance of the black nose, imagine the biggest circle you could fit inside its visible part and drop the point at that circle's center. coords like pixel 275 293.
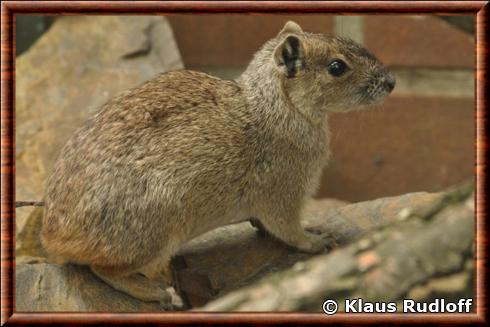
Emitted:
pixel 390 82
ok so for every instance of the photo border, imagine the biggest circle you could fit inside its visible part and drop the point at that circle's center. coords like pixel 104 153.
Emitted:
pixel 10 8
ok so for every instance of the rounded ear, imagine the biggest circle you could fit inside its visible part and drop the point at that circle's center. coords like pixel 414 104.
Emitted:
pixel 289 55
pixel 291 27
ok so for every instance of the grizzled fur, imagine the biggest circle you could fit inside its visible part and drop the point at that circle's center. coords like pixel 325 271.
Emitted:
pixel 186 152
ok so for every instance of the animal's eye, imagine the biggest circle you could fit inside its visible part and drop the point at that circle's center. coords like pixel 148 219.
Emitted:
pixel 337 67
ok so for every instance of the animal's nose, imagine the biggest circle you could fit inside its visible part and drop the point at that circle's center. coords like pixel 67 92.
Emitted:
pixel 390 82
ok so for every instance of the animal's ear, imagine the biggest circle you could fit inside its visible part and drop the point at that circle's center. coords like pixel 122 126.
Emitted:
pixel 289 55
pixel 291 28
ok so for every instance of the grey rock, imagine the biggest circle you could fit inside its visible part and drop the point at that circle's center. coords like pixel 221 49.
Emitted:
pixel 50 287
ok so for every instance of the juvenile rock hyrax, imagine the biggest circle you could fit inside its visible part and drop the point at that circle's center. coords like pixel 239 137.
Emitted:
pixel 187 152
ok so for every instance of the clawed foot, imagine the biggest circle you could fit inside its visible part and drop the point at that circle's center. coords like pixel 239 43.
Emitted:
pixel 315 240
pixel 317 243
pixel 136 285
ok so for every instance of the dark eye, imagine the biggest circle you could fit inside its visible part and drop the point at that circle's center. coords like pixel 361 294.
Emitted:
pixel 337 67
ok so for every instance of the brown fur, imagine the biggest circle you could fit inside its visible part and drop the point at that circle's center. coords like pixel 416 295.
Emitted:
pixel 186 152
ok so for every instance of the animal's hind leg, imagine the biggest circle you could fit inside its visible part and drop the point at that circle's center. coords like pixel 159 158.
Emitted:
pixel 134 284
pixel 159 270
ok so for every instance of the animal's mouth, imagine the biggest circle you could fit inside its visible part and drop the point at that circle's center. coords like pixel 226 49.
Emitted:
pixel 376 91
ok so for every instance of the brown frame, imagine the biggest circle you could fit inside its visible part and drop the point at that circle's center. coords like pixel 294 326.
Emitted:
pixel 10 8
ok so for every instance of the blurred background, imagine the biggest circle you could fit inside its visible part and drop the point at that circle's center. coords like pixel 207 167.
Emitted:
pixel 420 139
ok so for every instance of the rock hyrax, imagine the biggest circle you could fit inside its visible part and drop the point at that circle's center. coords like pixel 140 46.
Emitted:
pixel 187 152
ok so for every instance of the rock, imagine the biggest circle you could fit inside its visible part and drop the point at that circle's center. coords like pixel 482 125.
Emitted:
pixel 424 256
pixel 75 67
pixel 49 287
pixel 28 242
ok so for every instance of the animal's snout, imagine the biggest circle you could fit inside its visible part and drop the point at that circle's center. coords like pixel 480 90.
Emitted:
pixel 390 82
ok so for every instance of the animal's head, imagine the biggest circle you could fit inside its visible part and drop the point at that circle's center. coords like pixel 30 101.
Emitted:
pixel 325 73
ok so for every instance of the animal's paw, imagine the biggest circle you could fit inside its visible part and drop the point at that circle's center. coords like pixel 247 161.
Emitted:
pixel 166 305
pixel 315 243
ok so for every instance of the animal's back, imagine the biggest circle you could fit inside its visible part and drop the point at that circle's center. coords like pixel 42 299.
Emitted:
pixel 129 174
